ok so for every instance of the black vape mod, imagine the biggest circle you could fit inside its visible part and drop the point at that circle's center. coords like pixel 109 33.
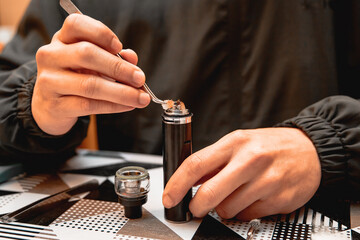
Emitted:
pixel 177 142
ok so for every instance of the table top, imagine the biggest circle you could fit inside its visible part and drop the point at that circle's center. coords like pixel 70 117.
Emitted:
pixel 98 215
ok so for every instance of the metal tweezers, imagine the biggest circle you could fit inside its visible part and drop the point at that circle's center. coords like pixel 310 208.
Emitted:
pixel 45 204
pixel 70 8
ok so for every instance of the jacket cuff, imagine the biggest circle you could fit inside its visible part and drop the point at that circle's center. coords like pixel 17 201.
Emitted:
pixel 24 109
pixel 25 116
pixel 330 148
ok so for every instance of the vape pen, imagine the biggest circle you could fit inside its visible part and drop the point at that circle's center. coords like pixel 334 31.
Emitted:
pixel 177 142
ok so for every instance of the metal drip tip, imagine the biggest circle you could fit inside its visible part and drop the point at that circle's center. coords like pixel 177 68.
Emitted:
pixel 132 185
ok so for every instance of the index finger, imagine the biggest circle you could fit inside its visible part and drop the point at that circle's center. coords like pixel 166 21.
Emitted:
pixel 195 167
pixel 77 28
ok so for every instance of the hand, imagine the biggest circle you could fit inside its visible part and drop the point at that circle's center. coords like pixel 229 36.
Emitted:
pixel 249 174
pixel 79 74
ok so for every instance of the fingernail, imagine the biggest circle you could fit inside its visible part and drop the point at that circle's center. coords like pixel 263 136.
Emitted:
pixel 144 98
pixel 167 201
pixel 116 45
pixel 139 78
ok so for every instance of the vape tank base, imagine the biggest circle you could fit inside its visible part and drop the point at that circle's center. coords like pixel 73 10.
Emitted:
pixel 133 206
pixel 132 185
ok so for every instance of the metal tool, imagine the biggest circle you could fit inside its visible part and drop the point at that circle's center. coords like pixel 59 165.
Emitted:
pixel 43 205
pixel 70 8
pixel 254 226
pixel 153 97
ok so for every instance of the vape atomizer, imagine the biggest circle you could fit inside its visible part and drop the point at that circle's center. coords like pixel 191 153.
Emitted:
pixel 177 142
pixel 132 185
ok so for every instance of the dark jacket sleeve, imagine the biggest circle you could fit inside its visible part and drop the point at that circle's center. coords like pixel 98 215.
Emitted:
pixel 333 125
pixel 20 137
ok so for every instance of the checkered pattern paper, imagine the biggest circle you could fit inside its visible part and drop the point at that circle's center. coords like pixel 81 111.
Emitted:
pixel 100 216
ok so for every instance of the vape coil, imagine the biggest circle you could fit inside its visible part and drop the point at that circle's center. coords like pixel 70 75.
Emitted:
pixel 177 142
pixel 132 185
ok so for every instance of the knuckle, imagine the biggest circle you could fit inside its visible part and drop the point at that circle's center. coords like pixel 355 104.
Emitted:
pixel 45 81
pixel 224 213
pixel 42 54
pixel 247 215
pixel 208 195
pixel 43 78
pixel 234 139
pixel 56 36
pixel 274 178
pixel 117 68
pixel 256 153
pixel 257 157
pixel 127 97
pixel 261 159
pixel 113 107
pixel 88 86
pixel 194 164
pixel 238 135
pixel 196 209
pixel 255 147
pixel 85 50
pixel 116 108
pixel 71 21
pixel 85 105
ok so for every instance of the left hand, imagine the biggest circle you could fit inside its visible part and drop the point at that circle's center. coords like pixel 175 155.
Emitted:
pixel 249 174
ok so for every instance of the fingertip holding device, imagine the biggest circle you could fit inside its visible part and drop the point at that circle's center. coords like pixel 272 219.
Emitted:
pixel 132 185
pixel 177 142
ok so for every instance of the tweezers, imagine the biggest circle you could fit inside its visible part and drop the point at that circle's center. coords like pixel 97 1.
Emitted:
pixel 70 8
pixel 42 205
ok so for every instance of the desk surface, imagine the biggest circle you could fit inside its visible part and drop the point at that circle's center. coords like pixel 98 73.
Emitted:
pixel 98 215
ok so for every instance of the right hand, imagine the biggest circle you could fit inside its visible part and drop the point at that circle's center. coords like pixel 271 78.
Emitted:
pixel 79 74
pixel 249 174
